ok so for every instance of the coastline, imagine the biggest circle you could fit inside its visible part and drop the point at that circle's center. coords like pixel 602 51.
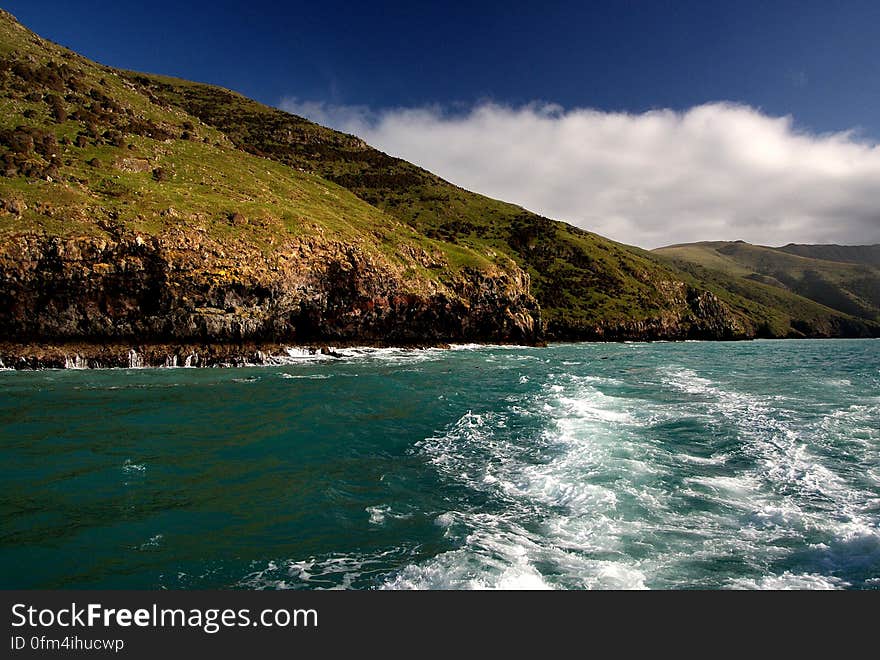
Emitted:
pixel 34 356
pixel 118 355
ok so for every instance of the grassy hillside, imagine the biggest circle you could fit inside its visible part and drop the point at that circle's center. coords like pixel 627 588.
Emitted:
pixel 848 287
pixel 90 152
pixel 85 151
pixel 581 280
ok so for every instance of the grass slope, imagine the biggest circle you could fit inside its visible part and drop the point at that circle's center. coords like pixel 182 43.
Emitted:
pixel 850 288
pixel 579 278
pixel 84 151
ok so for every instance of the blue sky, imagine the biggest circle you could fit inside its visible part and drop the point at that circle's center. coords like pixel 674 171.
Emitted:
pixel 651 122
pixel 818 61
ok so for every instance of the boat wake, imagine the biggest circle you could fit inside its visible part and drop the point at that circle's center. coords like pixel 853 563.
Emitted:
pixel 574 487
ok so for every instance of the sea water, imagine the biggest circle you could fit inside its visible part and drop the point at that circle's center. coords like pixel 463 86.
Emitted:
pixel 575 466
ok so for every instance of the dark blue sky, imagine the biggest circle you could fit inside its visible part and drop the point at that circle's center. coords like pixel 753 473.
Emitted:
pixel 818 61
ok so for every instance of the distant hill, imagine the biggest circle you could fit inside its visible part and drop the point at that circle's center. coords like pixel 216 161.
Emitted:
pixel 140 210
pixel 852 254
pixel 841 278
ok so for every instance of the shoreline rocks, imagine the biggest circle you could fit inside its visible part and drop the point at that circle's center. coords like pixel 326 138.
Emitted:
pixel 79 355
pixel 187 288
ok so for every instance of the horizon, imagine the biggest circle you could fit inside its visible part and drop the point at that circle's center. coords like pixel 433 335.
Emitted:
pixel 535 128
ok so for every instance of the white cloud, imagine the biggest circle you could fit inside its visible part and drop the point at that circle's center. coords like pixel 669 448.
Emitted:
pixel 715 172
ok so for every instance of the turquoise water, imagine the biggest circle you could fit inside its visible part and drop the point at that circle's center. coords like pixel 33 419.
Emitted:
pixel 667 465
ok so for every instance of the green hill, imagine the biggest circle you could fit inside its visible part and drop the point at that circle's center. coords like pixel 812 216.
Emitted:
pixel 140 210
pixel 587 286
pixel 843 279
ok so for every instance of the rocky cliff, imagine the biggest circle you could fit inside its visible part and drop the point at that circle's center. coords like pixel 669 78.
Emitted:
pixel 189 289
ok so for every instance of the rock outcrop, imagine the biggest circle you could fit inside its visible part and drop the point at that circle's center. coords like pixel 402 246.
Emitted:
pixel 189 288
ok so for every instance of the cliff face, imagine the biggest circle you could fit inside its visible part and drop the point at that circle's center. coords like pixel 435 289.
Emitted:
pixel 190 288
pixel 185 297
pixel 132 233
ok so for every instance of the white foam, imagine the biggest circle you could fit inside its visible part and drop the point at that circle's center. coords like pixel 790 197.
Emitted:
pixel 585 435
pixel 496 557
pixel 611 575
pixel 789 581
pixel 789 476
pixel 129 467
pixel 293 355
pixel 738 490
pixel 380 513
pixel 687 380
pixel 75 361
pixel 715 459
pixel 593 406
pixel 593 482
pixel 445 520
pixel 490 347
pixel 334 571
pixel 152 543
